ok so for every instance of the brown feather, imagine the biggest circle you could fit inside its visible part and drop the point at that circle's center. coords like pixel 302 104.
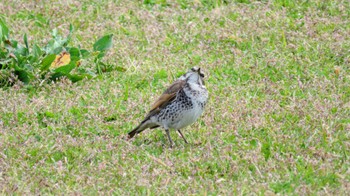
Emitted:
pixel 168 95
pixel 164 98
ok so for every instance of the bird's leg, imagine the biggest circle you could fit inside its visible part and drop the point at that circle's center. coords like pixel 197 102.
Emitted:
pixel 168 134
pixel 182 136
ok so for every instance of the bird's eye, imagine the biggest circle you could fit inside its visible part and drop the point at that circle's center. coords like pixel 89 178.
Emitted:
pixel 202 75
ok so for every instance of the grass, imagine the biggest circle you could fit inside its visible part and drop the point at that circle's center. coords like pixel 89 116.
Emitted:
pixel 277 120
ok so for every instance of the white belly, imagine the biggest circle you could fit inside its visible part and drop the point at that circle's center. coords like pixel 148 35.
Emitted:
pixel 188 117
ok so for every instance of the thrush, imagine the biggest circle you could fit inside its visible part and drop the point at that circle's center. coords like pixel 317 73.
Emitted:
pixel 179 106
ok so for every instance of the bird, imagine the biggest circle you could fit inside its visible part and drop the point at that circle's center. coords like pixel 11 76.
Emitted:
pixel 180 105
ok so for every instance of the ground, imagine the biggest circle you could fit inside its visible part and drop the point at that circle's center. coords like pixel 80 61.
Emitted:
pixel 277 121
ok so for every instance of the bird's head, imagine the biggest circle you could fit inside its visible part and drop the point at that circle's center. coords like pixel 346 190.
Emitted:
pixel 194 75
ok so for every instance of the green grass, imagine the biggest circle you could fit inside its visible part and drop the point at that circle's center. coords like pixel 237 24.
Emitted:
pixel 277 121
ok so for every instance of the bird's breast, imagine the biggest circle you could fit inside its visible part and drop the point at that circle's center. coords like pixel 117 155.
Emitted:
pixel 197 93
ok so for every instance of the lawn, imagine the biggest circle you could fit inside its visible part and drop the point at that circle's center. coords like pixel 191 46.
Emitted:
pixel 277 120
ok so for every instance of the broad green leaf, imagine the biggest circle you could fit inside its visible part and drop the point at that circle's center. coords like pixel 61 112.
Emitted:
pixel 25 39
pixel 84 53
pixel 63 71
pixel 57 75
pixel 37 51
pixel 4 30
pixel 66 69
pixel 74 52
pixel 23 75
pixel 103 43
pixel 46 62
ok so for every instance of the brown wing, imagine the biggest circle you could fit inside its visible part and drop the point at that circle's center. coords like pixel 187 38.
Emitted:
pixel 168 95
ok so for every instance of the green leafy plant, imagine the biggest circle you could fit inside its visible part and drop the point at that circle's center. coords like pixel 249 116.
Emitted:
pixel 55 60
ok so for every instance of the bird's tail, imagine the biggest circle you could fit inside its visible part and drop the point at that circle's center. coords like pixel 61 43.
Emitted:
pixel 142 126
pixel 135 131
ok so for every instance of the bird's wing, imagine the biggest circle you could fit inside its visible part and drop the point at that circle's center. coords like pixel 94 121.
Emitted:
pixel 168 95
